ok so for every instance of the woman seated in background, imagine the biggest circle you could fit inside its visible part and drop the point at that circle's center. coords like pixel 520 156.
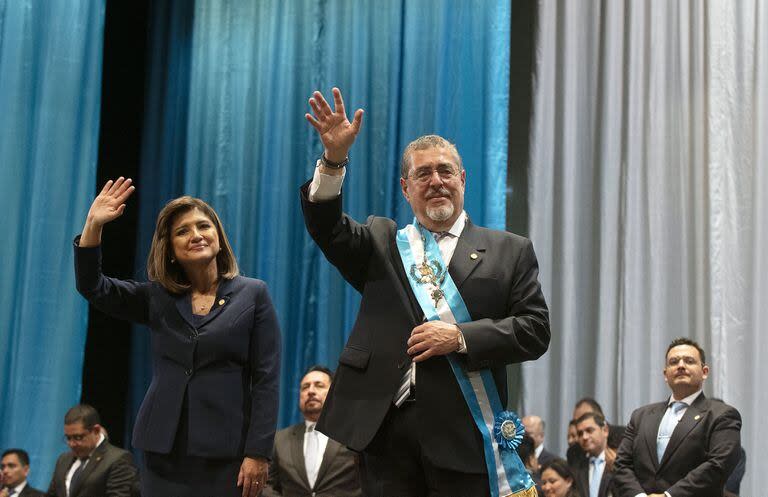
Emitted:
pixel 557 480
pixel 207 422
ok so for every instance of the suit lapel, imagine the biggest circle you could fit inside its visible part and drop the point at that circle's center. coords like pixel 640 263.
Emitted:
pixel 223 295
pixel 468 255
pixel 651 430
pixel 93 462
pixel 331 449
pixel 687 423
pixel 297 452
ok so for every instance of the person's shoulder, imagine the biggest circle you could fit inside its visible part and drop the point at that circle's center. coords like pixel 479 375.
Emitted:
pixel 31 492
pixel 498 235
pixel 720 408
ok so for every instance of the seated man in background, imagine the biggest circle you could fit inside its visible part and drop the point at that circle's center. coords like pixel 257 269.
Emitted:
pixel 685 446
pixel 14 467
pixel 584 405
pixel 306 462
pixel 594 474
pixel 534 428
pixel 93 467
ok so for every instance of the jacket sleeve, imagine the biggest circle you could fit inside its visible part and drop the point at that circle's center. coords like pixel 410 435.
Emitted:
pixel 722 456
pixel 265 377
pixel 624 477
pixel 521 336
pixel 345 242
pixel 124 299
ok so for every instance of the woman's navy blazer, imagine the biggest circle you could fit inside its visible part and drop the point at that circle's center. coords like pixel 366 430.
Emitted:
pixel 228 365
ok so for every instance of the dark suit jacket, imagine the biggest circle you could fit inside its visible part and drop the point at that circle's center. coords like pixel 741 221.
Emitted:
pixel 338 475
pixel 30 492
pixel 702 451
pixel 546 457
pixel 227 367
pixel 510 323
pixel 581 472
pixel 110 473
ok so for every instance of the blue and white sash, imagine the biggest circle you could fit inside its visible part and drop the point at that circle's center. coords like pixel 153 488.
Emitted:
pixel 440 300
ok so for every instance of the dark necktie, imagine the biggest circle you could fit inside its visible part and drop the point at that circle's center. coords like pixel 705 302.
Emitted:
pixel 77 474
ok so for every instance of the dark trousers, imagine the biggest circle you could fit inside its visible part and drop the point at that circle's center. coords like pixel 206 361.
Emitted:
pixel 393 465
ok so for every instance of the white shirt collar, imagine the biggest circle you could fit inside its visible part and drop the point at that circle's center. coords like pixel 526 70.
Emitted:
pixel 539 450
pixel 458 225
pixel 687 400
pixel 18 488
pixel 600 457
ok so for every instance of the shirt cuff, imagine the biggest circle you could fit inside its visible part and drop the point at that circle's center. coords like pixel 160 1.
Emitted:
pixel 325 186
pixel 667 494
pixel 645 495
pixel 462 344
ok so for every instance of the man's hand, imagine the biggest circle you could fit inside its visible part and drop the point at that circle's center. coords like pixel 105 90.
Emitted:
pixel 610 458
pixel 253 476
pixel 433 338
pixel 333 127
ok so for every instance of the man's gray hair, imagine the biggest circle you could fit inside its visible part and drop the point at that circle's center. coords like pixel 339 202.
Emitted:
pixel 423 143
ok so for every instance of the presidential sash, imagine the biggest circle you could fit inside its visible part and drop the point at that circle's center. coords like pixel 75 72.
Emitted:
pixel 502 430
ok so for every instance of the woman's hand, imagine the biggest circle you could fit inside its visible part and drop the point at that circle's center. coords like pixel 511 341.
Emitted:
pixel 106 207
pixel 253 476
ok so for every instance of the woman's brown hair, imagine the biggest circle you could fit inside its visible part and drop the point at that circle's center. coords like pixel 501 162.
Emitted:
pixel 159 265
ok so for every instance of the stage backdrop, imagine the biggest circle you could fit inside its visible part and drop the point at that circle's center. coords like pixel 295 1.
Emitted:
pixel 227 99
pixel 649 188
pixel 50 88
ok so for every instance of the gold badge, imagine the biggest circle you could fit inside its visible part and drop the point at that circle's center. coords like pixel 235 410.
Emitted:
pixel 473 256
pixel 222 302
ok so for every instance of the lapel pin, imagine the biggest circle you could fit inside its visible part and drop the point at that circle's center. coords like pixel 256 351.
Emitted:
pixel 222 302
pixel 696 418
pixel 473 256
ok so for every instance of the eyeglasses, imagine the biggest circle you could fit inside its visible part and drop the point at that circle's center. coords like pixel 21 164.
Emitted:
pixel 75 438
pixel 424 174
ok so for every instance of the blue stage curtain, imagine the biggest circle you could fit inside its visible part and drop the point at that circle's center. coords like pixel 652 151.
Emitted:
pixel 415 67
pixel 50 90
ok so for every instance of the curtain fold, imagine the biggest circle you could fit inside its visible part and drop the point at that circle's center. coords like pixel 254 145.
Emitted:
pixel 647 192
pixel 50 88
pixel 247 146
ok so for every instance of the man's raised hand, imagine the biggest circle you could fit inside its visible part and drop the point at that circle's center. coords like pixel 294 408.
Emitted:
pixel 333 127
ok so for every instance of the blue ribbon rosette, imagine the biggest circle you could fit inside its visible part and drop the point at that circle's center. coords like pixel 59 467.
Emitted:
pixel 508 430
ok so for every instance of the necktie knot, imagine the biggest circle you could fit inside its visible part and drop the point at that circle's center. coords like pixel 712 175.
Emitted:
pixel 439 235
pixel 311 428
pixel 678 406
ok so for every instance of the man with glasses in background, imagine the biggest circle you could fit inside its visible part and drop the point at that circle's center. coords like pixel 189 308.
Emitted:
pixel 446 304
pixel 93 467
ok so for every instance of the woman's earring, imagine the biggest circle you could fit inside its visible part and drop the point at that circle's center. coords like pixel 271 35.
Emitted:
pixel 173 261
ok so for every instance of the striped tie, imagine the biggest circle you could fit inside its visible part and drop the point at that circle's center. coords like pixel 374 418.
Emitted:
pixel 405 387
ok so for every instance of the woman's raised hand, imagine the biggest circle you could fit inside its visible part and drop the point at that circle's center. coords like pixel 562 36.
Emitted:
pixel 108 205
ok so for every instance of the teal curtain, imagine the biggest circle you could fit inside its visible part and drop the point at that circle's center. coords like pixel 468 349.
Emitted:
pixel 416 67
pixel 50 90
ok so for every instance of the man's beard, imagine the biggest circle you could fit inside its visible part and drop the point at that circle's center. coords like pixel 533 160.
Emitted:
pixel 441 213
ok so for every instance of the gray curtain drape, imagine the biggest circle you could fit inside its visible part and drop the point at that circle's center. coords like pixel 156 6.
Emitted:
pixel 648 204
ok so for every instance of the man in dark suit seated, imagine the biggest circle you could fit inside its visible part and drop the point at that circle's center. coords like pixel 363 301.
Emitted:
pixel 534 428
pixel 14 466
pixel 594 474
pixel 306 463
pixel 93 467
pixel 685 446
